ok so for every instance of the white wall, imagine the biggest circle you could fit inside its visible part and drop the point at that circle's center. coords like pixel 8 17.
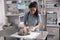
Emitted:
pixel 2 13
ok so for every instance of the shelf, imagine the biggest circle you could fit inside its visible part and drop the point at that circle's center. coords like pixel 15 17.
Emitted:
pixel 53 8
pixel 51 2
pixel 12 14
pixel 20 14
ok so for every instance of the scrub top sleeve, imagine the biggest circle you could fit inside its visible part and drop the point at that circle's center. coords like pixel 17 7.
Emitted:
pixel 39 19
pixel 25 17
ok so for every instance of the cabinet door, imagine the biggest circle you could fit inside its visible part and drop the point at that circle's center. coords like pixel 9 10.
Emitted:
pixel 53 32
pixel 9 38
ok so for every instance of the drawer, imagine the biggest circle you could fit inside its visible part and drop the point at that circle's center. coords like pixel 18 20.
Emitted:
pixel 53 31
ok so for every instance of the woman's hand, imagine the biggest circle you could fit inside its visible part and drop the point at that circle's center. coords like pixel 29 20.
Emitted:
pixel 32 29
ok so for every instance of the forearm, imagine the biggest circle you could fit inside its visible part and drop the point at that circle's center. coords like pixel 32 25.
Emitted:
pixel 25 25
pixel 38 25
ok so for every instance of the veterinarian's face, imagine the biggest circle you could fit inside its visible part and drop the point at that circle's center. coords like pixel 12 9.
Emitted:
pixel 32 10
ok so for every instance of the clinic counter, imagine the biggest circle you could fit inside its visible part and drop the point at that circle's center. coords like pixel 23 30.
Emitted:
pixel 33 35
pixel 53 26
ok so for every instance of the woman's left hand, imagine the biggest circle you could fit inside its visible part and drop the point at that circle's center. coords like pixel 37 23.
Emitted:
pixel 32 28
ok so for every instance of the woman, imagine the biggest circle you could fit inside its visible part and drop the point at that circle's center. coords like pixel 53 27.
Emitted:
pixel 32 19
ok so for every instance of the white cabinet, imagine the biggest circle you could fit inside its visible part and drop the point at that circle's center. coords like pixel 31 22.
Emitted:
pixel 53 33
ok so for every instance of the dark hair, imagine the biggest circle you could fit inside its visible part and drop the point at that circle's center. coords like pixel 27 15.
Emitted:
pixel 34 4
